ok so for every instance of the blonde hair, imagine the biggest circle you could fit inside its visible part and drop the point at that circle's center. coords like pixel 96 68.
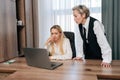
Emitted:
pixel 82 9
pixel 61 40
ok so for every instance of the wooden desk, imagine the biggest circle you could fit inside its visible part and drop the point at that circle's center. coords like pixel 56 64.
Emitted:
pixel 70 70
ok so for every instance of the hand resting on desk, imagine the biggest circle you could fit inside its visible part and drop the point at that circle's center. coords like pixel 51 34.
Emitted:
pixel 103 64
pixel 78 58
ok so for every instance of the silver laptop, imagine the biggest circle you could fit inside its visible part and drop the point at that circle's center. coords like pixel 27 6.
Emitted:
pixel 39 57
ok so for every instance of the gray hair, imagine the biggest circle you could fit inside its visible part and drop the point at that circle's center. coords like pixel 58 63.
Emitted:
pixel 82 9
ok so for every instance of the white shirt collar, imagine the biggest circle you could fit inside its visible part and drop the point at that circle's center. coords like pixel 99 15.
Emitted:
pixel 86 23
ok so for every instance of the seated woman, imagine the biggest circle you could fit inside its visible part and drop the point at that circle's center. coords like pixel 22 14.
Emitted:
pixel 58 45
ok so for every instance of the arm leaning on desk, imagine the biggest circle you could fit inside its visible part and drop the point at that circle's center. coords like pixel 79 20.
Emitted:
pixel 70 70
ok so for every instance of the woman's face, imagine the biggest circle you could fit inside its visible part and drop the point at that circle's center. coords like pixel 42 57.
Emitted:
pixel 78 17
pixel 55 34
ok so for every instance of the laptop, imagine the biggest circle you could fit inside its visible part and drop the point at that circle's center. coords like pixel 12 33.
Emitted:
pixel 39 57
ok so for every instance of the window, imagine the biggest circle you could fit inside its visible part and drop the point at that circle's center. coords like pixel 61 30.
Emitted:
pixel 62 11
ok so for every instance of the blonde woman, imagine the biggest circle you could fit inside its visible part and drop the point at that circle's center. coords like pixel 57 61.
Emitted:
pixel 58 45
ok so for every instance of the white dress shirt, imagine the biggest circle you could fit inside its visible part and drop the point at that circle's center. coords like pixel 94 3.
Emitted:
pixel 101 39
pixel 66 48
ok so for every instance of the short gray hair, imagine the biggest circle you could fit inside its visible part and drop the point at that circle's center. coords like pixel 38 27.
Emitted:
pixel 82 9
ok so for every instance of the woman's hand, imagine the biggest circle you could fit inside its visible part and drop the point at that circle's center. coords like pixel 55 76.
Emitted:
pixel 104 64
pixel 77 58
pixel 50 40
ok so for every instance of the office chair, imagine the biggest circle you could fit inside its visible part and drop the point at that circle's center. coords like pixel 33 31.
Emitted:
pixel 71 37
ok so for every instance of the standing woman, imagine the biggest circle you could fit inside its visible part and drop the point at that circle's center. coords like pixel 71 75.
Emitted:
pixel 92 41
pixel 58 45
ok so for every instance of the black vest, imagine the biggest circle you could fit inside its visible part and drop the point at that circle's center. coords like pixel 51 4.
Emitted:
pixel 91 47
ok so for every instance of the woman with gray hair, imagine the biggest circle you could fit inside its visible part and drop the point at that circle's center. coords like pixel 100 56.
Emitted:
pixel 91 42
